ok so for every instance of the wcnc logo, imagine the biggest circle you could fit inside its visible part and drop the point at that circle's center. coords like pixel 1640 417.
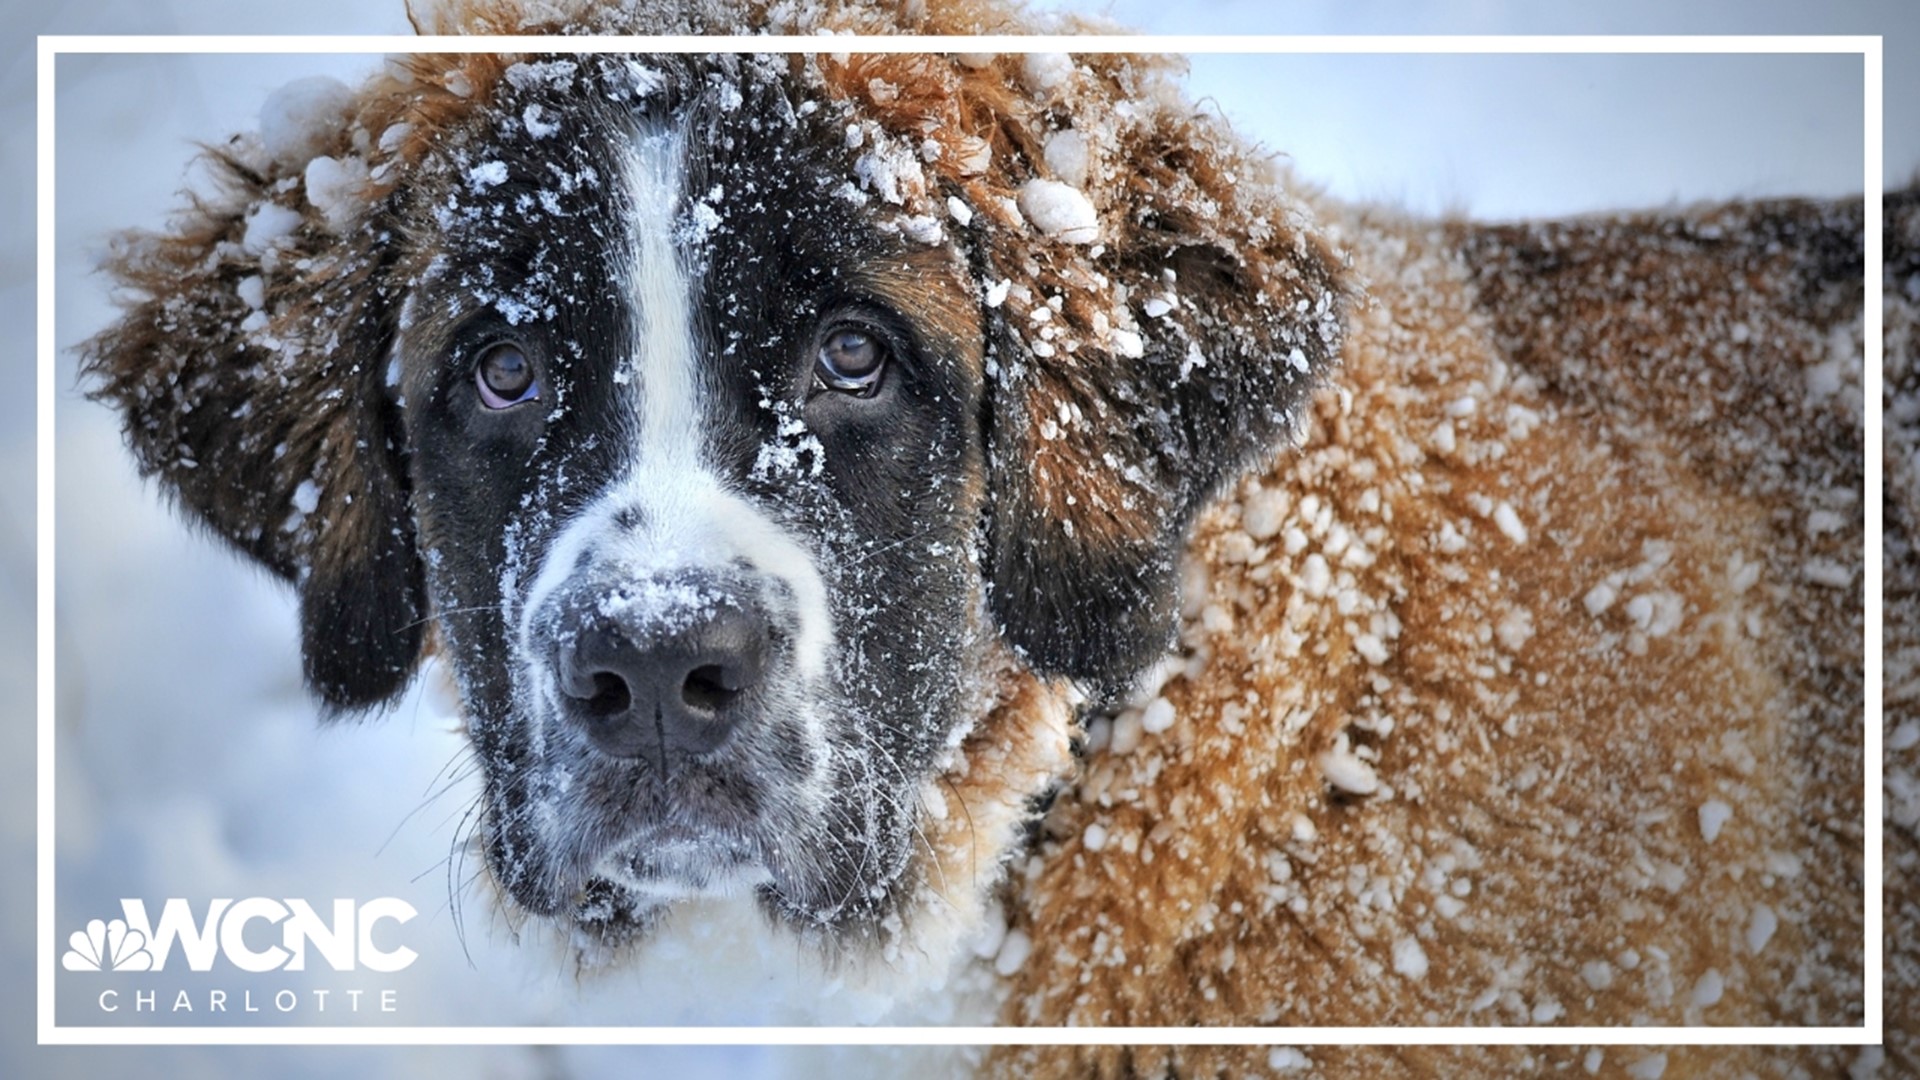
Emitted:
pixel 134 942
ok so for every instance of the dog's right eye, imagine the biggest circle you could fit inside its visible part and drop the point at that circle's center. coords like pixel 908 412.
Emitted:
pixel 504 376
pixel 850 361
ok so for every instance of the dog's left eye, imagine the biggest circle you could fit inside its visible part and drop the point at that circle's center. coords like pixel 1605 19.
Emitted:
pixel 504 376
pixel 851 361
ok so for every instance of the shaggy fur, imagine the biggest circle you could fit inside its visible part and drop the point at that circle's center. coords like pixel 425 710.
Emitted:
pixel 1518 672
pixel 1539 848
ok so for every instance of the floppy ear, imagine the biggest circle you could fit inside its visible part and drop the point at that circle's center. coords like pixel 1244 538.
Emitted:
pixel 1172 360
pixel 249 366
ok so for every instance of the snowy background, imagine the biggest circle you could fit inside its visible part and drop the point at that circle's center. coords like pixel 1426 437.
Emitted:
pixel 190 763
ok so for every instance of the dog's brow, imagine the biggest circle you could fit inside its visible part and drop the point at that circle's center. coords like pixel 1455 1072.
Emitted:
pixel 923 284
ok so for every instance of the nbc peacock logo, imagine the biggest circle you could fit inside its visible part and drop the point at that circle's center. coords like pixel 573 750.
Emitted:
pixel 107 945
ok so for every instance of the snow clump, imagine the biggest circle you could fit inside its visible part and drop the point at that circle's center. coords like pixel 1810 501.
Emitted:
pixel 334 188
pixel 1043 73
pixel 1061 212
pixel 267 226
pixel 302 119
pixel 1066 154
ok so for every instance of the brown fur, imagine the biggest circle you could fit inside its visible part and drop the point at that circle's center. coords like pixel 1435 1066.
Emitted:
pixel 1552 761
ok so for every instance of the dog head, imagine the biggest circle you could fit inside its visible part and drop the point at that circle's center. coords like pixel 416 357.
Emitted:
pixel 731 420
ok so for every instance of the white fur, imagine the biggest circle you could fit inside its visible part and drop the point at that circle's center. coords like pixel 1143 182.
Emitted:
pixel 661 292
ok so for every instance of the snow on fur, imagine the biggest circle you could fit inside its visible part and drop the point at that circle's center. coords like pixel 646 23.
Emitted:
pixel 1471 720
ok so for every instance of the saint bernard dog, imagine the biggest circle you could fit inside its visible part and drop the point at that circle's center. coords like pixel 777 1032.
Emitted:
pixel 967 500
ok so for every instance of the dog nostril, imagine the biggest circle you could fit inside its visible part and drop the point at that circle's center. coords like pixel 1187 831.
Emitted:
pixel 709 688
pixel 611 696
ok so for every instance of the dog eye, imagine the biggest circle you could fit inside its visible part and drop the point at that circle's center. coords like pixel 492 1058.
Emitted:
pixel 504 377
pixel 851 361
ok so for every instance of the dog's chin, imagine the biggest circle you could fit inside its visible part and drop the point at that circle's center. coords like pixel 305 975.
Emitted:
pixel 622 894
pixel 633 887
pixel 618 897
pixel 653 867
pixel 665 866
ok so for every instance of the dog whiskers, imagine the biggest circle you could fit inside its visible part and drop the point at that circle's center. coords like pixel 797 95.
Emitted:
pixel 468 610
pixel 433 794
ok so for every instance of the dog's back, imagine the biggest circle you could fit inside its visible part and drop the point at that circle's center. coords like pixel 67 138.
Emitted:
pixel 1529 689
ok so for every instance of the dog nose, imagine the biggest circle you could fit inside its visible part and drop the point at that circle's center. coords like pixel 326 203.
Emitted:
pixel 662 687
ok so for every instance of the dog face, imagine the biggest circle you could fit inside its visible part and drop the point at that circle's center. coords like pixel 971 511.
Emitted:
pixel 733 420
pixel 699 509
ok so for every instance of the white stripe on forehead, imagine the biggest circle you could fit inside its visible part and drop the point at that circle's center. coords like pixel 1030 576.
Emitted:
pixel 661 292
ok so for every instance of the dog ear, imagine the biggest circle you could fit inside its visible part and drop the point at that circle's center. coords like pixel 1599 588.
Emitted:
pixel 1129 382
pixel 250 366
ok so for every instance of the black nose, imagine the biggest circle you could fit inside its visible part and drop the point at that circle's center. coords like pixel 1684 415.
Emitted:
pixel 661 686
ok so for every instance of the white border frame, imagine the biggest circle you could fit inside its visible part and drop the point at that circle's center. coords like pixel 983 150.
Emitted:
pixel 1870 48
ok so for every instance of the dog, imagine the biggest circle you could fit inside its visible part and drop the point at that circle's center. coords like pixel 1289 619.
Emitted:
pixel 927 493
